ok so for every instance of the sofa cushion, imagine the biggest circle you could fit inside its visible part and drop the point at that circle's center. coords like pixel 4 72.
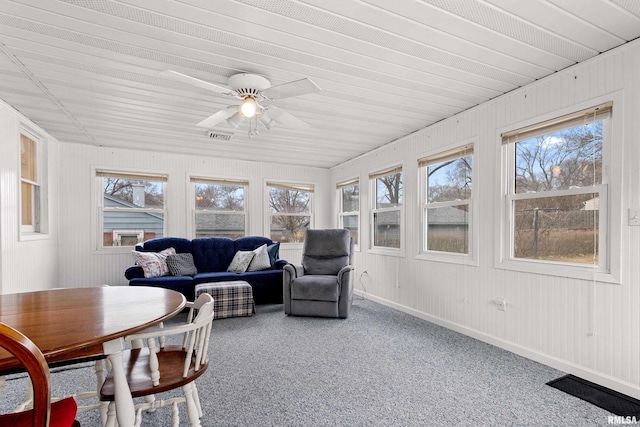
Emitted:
pixel 260 260
pixel 274 253
pixel 249 243
pixel 181 265
pixel 180 244
pixel 153 264
pixel 241 261
pixel 212 254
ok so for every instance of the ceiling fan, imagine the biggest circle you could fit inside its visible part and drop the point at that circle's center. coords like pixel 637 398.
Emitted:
pixel 253 90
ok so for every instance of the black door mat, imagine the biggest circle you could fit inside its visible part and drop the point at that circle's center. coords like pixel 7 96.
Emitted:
pixel 607 399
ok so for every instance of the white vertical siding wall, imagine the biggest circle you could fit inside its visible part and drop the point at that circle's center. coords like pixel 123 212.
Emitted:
pixel 28 264
pixel 83 265
pixel 591 329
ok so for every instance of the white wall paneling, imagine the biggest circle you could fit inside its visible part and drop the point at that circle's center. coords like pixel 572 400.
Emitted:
pixel 585 327
pixel 25 264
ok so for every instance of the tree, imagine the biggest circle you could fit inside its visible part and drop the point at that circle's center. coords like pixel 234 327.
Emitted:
pixel 561 160
pixel 449 180
pixel 389 190
pixel 220 197
pixel 123 190
pixel 288 201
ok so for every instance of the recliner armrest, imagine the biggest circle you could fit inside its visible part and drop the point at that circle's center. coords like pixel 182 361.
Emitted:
pixel 344 271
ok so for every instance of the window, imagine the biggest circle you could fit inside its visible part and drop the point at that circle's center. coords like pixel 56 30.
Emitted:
pixel 387 208
pixel 132 207
pixel 349 208
pixel 219 207
pixel 30 185
pixel 557 198
pixel 446 201
pixel 290 211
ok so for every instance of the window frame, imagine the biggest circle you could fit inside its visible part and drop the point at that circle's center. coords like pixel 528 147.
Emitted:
pixel 98 175
pixel 609 234
pixel 290 185
pixel 195 179
pixel 342 213
pixel 451 152
pixel 39 229
pixel 373 191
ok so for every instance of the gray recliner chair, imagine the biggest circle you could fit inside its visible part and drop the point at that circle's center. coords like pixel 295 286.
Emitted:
pixel 322 286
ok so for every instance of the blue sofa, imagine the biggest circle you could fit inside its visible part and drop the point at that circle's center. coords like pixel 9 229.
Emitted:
pixel 212 256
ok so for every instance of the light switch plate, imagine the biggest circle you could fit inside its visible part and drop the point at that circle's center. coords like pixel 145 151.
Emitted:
pixel 634 216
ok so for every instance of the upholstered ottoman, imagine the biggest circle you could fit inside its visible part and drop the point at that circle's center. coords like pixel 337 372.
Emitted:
pixel 230 299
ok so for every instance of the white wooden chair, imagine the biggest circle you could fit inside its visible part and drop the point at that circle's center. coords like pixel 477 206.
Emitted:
pixel 152 369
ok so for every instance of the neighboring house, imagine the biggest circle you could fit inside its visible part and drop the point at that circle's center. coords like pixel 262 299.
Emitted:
pixel 443 221
pixel 218 224
pixel 126 228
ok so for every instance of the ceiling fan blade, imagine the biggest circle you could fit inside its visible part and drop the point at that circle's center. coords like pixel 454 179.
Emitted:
pixel 174 75
pixel 296 88
pixel 286 119
pixel 218 117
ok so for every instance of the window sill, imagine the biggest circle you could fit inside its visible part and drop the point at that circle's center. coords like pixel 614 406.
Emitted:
pixel 446 257
pixel 571 271
pixel 387 252
pixel 29 237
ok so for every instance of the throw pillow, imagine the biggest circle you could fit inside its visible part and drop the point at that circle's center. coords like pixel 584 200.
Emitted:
pixel 260 260
pixel 240 261
pixel 181 265
pixel 153 264
pixel 273 251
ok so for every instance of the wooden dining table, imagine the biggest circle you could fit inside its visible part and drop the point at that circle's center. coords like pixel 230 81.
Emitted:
pixel 74 324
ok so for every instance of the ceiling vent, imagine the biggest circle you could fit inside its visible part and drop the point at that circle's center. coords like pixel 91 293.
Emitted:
pixel 224 136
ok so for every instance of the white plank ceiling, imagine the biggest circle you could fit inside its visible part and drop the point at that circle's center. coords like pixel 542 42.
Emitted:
pixel 87 71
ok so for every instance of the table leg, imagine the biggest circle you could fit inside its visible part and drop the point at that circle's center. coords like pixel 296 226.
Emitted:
pixel 125 410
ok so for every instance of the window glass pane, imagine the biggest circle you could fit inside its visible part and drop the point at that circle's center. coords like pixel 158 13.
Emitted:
pixel 560 160
pixel 291 201
pixel 389 191
pixel 350 222
pixel 27 204
pixel 351 198
pixel 563 229
pixel 134 193
pixel 387 229
pixel 218 224
pixel 219 197
pixel 289 228
pixel 132 210
pixel 448 229
pixel 449 180
pixel 28 164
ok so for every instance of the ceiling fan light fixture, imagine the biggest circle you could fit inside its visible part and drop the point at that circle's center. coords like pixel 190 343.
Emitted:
pixel 249 107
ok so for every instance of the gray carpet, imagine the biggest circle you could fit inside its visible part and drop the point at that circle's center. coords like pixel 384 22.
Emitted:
pixel 380 367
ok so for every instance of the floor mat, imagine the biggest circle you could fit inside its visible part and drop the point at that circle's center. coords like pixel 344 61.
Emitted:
pixel 610 400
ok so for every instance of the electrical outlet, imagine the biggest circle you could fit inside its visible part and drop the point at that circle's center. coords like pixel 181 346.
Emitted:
pixel 501 304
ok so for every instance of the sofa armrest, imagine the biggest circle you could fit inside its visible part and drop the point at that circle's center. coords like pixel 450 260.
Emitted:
pixel 134 272
pixel 280 263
